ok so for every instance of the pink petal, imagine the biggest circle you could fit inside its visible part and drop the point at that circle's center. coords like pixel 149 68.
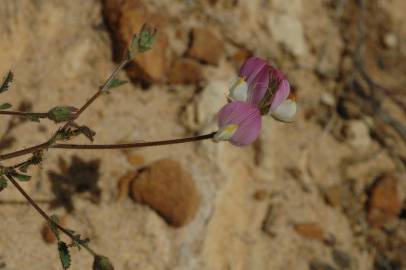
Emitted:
pixel 246 116
pixel 258 87
pixel 282 89
pixel 251 68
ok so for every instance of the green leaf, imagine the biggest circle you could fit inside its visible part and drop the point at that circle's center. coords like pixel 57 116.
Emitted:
pixel 64 254
pixel 52 225
pixel 115 83
pixel 5 106
pixel 146 37
pixel 3 182
pixel 7 81
pixel 22 177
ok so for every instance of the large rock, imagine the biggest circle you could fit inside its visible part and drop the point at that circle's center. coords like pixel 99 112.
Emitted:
pixel 125 18
pixel 185 71
pixel 169 190
pixel 206 46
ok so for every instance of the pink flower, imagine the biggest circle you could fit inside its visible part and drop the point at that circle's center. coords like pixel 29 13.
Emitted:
pixel 260 89
pixel 261 85
pixel 239 122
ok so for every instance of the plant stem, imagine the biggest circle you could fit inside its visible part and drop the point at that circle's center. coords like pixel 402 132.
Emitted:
pixel 45 216
pixel 133 145
pixel 25 114
pixel 102 89
pixel 46 144
pixel 105 146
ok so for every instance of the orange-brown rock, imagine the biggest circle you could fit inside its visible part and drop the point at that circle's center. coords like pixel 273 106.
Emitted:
pixel 206 46
pixel 384 202
pixel 185 71
pixel 125 18
pixel 169 190
pixel 310 230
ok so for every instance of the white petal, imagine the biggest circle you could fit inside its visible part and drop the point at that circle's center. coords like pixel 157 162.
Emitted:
pixel 239 90
pixel 286 111
pixel 225 133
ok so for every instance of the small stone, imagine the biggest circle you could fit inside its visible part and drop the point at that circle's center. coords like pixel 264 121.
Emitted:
pixel 348 109
pixel 169 190
pixel 327 99
pixel 390 40
pixel 384 202
pixel 206 46
pixel 341 258
pixel 334 195
pixel 185 71
pixel 260 194
pixel 310 230
pixel 125 18
pixel 356 133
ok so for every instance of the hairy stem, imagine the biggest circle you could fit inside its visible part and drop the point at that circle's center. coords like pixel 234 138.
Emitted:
pixel 25 114
pixel 105 146
pixel 102 89
pixel 133 145
pixel 45 215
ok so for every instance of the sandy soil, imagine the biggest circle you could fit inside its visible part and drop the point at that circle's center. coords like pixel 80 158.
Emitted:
pixel 299 198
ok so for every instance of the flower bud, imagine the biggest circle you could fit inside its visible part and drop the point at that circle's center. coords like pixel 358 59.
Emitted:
pixel 102 263
pixel 62 113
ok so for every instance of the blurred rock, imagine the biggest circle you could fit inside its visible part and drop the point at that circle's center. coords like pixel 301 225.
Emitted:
pixel 169 190
pixel 390 40
pixel 341 258
pixel 384 202
pixel 206 46
pixel 356 133
pixel 125 18
pixel 201 113
pixel 288 30
pixel 310 230
pixel 185 71
pixel 348 109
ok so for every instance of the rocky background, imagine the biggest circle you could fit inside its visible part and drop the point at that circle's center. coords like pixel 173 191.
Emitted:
pixel 325 192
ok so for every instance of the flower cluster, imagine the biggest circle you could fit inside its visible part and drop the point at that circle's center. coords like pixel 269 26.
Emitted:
pixel 260 89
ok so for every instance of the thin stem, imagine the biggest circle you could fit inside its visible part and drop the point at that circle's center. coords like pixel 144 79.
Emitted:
pixel 102 89
pixel 133 145
pixel 25 114
pixel 46 144
pixel 45 215
pixel 25 151
pixel 104 146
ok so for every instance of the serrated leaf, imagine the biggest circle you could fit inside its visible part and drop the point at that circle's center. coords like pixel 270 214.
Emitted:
pixel 7 81
pixel 3 182
pixel 64 254
pixel 22 177
pixel 5 106
pixel 115 83
pixel 52 225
